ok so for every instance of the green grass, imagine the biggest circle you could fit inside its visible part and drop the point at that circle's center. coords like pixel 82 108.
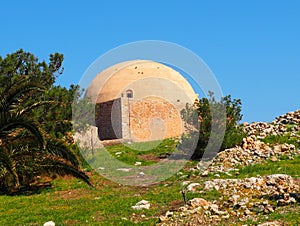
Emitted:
pixel 72 202
pixel 132 153
pixel 287 138
pixel 284 166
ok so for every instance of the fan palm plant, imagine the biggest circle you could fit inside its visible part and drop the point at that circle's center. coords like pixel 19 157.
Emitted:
pixel 25 150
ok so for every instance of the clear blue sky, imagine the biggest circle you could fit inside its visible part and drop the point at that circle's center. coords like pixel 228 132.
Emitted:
pixel 253 47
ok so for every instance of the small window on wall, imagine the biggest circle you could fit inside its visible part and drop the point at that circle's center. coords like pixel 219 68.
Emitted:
pixel 129 93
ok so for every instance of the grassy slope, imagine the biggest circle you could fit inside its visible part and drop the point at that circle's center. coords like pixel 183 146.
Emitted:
pixel 72 202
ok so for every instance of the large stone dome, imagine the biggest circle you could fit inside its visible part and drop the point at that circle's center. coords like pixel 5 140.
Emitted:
pixel 140 100
pixel 110 83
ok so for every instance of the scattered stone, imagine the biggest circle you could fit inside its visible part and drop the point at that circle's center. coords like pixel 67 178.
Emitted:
pixel 182 209
pixel 192 187
pixel 274 159
pixel 196 202
pixel 205 173
pixel 285 202
pixel 143 204
pixel 276 127
pixel 185 183
pixel 141 174
pixel 169 213
pixel 163 218
pixel 124 169
pixel 49 223
pixel 269 209
pixel 273 223
pixel 214 209
pixel 241 198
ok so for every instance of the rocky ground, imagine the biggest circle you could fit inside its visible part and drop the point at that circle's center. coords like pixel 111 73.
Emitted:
pixel 243 199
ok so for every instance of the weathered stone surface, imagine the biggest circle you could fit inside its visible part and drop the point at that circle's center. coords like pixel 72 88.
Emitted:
pixel 153 118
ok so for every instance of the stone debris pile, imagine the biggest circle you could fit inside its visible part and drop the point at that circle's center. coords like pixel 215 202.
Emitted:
pixel 243 199
pixel 288 123
pixel 288 118
pixel 263 129
pixel 239 198
pixel 240 192
pixel 198 206
pixel 251 152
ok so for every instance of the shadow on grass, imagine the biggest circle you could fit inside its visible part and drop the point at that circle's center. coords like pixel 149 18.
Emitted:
pixel 27 190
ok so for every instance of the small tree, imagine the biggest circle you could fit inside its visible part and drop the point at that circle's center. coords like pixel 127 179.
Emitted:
pixel 202 108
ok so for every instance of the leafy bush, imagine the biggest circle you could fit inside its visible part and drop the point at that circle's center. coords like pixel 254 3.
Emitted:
pixel 227 115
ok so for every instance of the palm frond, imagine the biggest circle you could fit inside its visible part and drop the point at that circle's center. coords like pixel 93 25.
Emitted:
pixel 11 123
pixel 52 165
pixel 35 105
pixel 58 148
pixel 13 94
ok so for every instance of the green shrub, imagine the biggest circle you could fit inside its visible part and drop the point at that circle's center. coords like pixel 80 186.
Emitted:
pixel 199 118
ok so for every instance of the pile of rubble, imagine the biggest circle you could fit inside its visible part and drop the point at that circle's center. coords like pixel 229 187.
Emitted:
pixel 288 118
pixel 240 192
pixel 252 151
pixel 239 198
pixel 263 129
pixel 288 123
pixel 243 199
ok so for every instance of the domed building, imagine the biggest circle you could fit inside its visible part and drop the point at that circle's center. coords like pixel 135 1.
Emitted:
pixel 140 100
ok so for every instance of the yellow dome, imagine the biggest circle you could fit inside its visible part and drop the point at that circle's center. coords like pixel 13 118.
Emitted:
pixel 151 77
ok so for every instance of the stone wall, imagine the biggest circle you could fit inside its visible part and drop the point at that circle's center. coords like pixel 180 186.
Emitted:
pixel 109 119
pixel 153 118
